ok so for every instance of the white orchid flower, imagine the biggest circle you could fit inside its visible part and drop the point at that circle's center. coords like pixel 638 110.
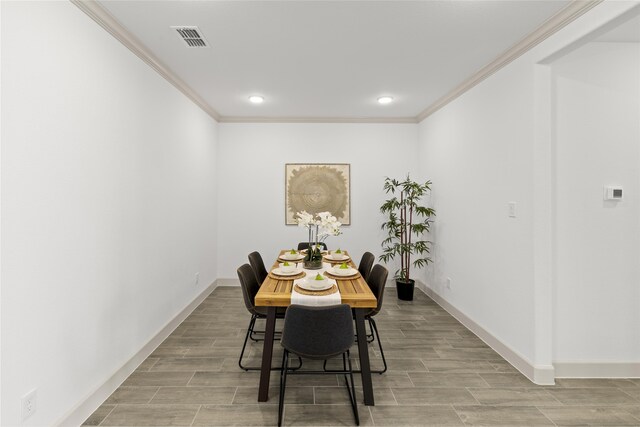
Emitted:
pixel 324 224
pixel 304 219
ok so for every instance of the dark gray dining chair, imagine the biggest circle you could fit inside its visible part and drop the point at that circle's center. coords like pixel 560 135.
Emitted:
pixel 318 333
pixel 305 245
pixel 257 264
pixel 250 287
pixel 366 262
pixel 377 282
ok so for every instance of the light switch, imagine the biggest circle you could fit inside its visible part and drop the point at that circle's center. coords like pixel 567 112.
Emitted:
pixel 613 193
pixel 512 209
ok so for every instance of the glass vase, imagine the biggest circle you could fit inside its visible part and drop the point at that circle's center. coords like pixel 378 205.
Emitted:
pixel 313 264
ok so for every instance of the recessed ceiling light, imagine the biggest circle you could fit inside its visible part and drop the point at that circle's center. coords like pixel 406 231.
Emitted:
pixel 256 99
pixel 385 100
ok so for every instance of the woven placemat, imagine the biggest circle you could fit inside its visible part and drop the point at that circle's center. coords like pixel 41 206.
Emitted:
pixel 338 277
pixel 294 277
pixel 332 290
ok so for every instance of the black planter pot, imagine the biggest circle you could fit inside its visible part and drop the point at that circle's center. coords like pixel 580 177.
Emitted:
pixel 405 289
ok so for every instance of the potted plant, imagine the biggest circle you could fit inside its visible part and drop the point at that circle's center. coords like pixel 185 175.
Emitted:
pixel 407 221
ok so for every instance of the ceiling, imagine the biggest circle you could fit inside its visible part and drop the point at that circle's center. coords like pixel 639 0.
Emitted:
pixel 330 59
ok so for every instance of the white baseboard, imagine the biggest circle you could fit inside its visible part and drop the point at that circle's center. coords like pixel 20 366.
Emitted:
pixel 80 412
pixel 228 282
pixel 597 369
pixel 542 375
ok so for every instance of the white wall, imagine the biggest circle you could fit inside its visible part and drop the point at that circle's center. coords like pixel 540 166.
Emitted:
pixel 108 206
pixel 251 175
pixel 477 153
pixel 597 292
pixel 493 145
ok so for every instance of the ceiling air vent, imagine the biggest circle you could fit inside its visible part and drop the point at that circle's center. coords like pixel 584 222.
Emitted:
pixel 191 36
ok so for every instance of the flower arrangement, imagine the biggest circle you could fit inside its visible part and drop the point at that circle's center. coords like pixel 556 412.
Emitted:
pixel 320 226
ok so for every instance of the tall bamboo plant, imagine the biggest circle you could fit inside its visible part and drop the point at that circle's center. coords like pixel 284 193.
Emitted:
pixel 406 224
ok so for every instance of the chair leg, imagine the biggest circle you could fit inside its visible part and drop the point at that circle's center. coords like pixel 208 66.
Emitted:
pixel 295 368
pixel 246 338
pixel 384 361
pixel 250 331
pixel 254 332
pixel 283 384
pixel 352 391
pixel 261 335
pixel 344 369
pixel 370 336
pixel 348 378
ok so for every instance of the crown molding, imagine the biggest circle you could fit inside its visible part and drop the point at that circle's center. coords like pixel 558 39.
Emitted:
pixel 565 16
pixel 241 119
pixel 113 27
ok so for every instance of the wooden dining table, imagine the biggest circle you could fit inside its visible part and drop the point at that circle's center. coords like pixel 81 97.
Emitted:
pixel 276 292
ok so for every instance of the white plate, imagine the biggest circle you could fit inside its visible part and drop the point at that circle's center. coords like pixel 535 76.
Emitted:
pixel 304 284
pixel 330 258
pixel 291 257
pixel 343 271
pixel 279 272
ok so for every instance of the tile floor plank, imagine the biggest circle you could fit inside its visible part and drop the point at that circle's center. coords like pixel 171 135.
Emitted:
pixel 589 416
pixel 593 396
pixel 324 415
pixel 502 416
pixel 433 396
pixel 439 379
pixel 151 415
pixel 158 379
pixel 442 415
pixel 513 396
pixel 125 394
pixel 188 364
pixel 237 415
pixel 194 395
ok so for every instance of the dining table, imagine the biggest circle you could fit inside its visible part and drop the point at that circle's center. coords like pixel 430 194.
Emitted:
pixel 276 292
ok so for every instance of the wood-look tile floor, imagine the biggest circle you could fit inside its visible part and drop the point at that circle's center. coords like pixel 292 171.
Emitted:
pixel 439 374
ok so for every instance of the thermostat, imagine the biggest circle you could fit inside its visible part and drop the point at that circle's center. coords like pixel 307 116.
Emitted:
pixel 613 193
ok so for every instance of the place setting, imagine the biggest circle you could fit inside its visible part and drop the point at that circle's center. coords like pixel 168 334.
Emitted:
pixel 315 285
pixel 292 255
pixel 342 271
pixel 336 256
pixel 288 270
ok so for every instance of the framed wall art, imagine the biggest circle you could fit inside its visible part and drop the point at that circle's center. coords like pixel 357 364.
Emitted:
pixel 318 187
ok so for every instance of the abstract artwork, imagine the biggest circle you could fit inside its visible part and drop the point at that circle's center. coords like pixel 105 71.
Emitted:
pixel 314 188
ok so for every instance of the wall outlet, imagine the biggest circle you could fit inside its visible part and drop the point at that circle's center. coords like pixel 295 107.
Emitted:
pixel 512 209
pixel 28 403
pixel 197 279
pixel 448 282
